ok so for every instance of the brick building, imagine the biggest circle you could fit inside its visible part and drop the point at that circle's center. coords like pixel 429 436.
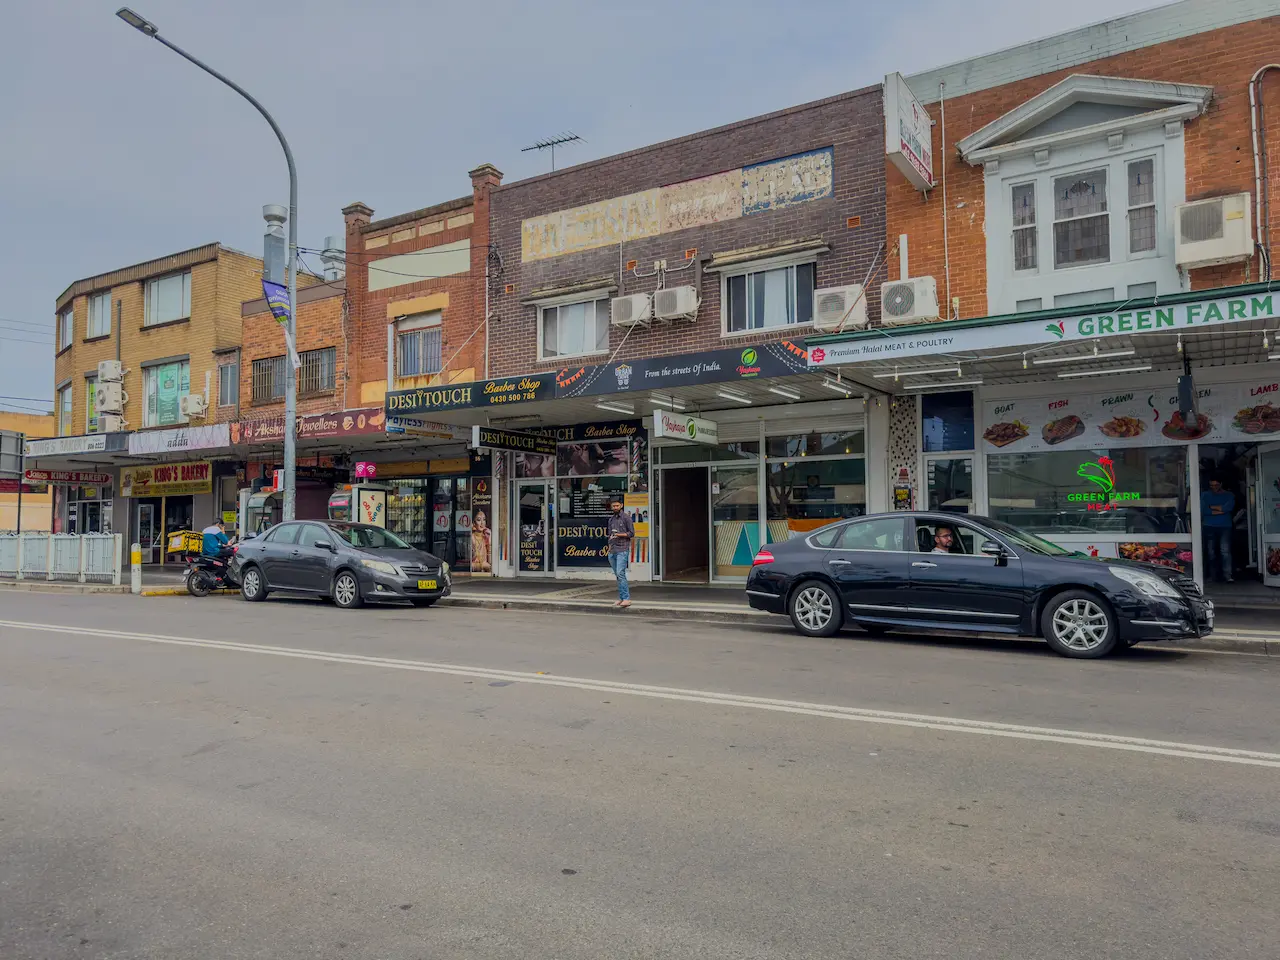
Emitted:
pixel 1099 234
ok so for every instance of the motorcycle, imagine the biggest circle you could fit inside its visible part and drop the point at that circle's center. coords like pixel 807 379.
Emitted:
pixel 206 574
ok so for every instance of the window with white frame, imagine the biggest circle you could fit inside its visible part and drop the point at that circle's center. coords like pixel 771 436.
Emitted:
pixel 1142 206
pixel 1025 236
pixel 99 316
pixel 319 370
pixel 1081 223
pixel 163 387
pixel 66 328
pixel 767 299
pixel 90 404
pixel 229 383
pixel 168 299
pixel 573 329
pixel 64 411
pixel 419 345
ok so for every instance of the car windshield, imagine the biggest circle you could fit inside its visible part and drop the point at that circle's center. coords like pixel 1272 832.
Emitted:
pixel 1028 541
pixel 368 537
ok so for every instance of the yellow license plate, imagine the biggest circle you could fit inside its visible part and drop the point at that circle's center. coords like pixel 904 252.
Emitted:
pixel 426 584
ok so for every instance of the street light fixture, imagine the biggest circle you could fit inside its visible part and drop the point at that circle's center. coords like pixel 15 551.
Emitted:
pixel 147 28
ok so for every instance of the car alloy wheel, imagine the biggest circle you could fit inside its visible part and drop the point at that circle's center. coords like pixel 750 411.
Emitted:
pixel 1081 624
pixel 346 592
pixel 814 611
pixel 251 585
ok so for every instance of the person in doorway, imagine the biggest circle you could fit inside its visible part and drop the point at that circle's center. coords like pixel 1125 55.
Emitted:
pixel 1217 506
pixel 943 539
pixel 621 531
pixel 215 544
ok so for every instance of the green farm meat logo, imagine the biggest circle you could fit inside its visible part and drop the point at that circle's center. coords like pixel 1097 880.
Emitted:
pixel 1102 474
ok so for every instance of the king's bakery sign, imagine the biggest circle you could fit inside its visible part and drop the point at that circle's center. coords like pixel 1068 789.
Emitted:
pixel 969 335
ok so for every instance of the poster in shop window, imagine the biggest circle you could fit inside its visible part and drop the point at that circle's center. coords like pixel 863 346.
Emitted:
pixel 1134 417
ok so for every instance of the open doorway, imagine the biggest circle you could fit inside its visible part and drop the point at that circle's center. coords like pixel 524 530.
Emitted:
pixel 1229 496
pixel 686 517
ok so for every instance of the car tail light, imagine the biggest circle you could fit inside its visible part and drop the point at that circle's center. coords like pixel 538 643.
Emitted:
pixel 764 556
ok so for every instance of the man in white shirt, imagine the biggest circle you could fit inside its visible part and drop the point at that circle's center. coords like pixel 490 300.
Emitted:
pixel 943 538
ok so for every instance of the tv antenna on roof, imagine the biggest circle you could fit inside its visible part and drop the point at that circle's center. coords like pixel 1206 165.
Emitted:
pixel 550 143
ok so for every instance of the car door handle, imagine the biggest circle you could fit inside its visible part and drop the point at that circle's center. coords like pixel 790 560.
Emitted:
pixel 839 563
pixel 924 563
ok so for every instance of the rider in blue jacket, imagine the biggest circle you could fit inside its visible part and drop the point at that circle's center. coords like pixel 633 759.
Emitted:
pixel 216 543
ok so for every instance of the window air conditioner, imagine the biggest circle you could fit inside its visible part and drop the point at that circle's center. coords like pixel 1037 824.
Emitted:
pixel 192 405
pixel 110 398
pixel 109 370
pixel 674 303
pixel 840 308
pixel 1211 232
pixel 909 301
pixel 629 311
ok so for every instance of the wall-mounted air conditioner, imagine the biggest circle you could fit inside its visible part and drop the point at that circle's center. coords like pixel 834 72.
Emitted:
pixel 109 370
pixel 110 423
pixel 909 301
pixel 675 303
pixel 110 398
pixel 192 405
pixel 1211 232
pixel 631 310
pixel 840 308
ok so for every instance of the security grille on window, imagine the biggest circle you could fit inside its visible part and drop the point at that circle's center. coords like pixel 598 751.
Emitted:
pixel 168 298
pixel 419 345
pixel 66 328
pixel 268 379
pixel 99 316
pixel 781 297
pixel 1142 206
pixel 1025 235
pixel 1082 226
pixel 229 384
pixel 319 370
pixel 575 329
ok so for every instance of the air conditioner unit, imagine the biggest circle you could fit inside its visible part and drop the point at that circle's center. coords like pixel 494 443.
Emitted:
pixel 1211 232
pixel 110 398
pixel 909 301
pixel 192 405
pixel 110 423
pixel 110 370
pixel 629 311
pixel 673 303
pixel 840 308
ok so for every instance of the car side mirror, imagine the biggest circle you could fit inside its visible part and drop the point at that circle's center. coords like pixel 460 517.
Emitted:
pixel 994 550
pixel 323 545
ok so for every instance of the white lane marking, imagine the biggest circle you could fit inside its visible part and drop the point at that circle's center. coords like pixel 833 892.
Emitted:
pixel 1080 738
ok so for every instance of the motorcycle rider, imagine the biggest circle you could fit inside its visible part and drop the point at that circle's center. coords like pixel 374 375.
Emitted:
pixel 216 546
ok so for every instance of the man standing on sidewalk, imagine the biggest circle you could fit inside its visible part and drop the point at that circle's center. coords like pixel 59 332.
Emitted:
pixel 621 531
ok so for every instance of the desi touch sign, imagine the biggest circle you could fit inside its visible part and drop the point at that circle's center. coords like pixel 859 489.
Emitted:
pixel 673 426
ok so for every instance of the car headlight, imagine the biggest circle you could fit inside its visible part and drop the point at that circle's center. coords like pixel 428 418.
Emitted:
pixel 1147 583
pixel 444 567
pixel 381 566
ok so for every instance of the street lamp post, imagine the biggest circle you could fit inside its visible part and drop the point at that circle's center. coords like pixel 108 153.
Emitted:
pixel 291 383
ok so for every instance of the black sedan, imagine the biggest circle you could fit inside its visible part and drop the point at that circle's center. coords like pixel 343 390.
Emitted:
pixel 926 571
pixel 350 562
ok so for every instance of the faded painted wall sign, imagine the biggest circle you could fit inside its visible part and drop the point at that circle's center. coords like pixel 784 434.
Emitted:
pixel 759 188
pixel 784 183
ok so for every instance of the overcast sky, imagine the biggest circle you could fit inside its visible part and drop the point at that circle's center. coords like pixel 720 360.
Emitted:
pixel 114 150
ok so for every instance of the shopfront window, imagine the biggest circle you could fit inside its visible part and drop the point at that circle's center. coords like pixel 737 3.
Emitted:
pixel 88 510
pixel 812 479
pixel 697 453
pixel 1129 491
pixel 946 421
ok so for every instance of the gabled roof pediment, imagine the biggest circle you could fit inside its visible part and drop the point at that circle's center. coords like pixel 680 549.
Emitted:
pixel 1084 106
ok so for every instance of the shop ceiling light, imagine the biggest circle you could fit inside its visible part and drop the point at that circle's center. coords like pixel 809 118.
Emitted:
pixel 945 385
pixel 734 396
pixel 838 386
pixel 617 407
pixel 1136 368
pixel 785 392
pixel 669 403
pixel 930 371
pixel 1104 355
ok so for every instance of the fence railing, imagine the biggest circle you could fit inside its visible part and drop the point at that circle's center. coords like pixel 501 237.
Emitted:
pixel 86 558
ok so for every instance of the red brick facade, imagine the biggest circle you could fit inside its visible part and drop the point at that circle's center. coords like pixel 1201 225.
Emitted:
pixel 851 124
pixel 1218 152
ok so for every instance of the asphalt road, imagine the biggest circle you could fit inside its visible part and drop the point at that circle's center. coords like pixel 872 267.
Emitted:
pixel 314 783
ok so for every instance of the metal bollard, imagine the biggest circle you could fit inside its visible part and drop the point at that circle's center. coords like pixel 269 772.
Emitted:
pixel 135 561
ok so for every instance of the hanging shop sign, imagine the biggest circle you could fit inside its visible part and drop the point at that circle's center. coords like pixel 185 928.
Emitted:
pixel 183 438
pixel 960 336
pixel 489 438
pixel 908 133
pixel 1132 418
pixel 675 426
pixel 167 479
pixel 779 358
pixel 317 426
pixel 366 470
pixel 88 443
pixel 68 478
pixel 466 396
